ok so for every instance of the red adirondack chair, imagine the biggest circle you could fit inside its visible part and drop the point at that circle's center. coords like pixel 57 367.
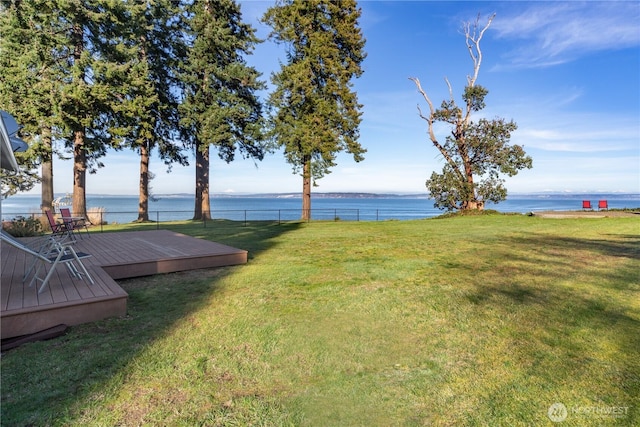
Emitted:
pixel 602 204
pixel 586 204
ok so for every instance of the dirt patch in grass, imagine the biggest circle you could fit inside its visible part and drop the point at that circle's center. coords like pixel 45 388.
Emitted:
pixel 588 214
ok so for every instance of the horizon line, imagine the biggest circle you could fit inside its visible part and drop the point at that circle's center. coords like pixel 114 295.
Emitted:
pixel 385 193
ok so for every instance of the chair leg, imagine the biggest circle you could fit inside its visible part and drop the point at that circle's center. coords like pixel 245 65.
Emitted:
pixel 84 269
pixel 73 269
pixel 50 272
pixel 35 277
pixel 45 250
pixel 72 234
pixel 30 269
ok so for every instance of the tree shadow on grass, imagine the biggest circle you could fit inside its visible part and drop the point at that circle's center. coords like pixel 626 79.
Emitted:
pixel 575 298
pixel 51 382
pixel 610 262
pixel 570 344
pixel 626 246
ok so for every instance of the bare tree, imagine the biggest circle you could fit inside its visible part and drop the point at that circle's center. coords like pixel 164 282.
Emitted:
pixel 473 150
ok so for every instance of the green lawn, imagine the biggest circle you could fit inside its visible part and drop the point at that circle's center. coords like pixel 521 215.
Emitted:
pixel 483 321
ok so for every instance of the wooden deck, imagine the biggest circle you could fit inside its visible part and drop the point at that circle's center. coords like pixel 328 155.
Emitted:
pixel 70 301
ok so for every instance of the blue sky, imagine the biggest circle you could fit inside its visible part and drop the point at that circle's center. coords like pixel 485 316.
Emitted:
pixel 568 73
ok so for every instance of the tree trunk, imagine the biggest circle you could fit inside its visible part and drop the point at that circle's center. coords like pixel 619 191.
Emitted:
pixel 47 172
pixel 143 197
pixel 471 202
pixel 471 205
pixel 206 203
pixel 143 201
pixel 79 206
pixel 202 209
pixel 306 189
pixel 197 209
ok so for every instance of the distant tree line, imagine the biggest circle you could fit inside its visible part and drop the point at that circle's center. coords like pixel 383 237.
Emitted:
pixel 86 76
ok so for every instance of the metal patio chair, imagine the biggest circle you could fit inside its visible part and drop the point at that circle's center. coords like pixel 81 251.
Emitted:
pixel 73 223
pixel 55 251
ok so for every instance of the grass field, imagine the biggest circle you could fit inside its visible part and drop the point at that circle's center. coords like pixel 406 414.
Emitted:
pixel 475 321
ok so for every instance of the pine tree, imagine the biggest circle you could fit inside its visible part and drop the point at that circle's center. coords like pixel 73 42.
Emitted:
pixel 90 93
pixel 29 89
pixel 316 113
pixel 221 107
pixel 65 80
pixel 148 116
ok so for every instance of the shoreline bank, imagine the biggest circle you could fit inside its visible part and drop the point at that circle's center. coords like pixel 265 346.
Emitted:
pixel 587 214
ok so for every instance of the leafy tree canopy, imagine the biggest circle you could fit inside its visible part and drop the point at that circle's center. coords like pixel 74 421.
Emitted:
pixel 477 153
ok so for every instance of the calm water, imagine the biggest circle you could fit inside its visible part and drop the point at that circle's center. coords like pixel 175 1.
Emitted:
pixel 123 209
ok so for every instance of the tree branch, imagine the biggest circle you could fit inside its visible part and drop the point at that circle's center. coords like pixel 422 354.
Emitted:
pixel 430 119
pixel 473 38
pixel 450 89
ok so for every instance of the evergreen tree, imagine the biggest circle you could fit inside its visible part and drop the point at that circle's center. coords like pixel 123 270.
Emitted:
pixel 65 80
pixel 149 114
pixel 220 107
pixel 89 93
pixel 29 89
pixel 315 112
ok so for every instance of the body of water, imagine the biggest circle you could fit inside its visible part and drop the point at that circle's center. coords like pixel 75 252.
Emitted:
pixel 350 207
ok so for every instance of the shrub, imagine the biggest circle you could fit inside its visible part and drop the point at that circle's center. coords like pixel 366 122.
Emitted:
pixel 469 212
pixel 23 227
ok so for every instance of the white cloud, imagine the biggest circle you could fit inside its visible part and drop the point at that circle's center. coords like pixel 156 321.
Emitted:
pixel 554 123
pixel 555 33
pixel 575 172
pixel 580 134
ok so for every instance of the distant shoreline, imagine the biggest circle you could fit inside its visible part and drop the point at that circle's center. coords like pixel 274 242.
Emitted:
pixel 355 206
pixel 363 195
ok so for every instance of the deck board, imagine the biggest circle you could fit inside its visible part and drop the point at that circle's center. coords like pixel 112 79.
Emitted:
pixel 70 301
